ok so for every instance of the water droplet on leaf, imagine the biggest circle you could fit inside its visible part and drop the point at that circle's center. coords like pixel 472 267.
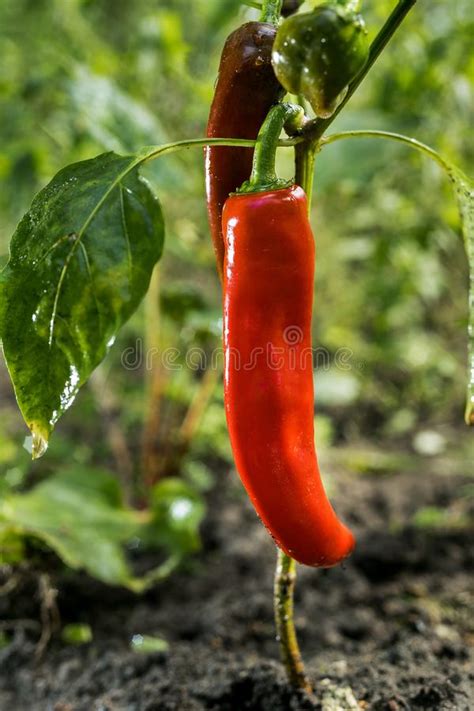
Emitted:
pixel 39 444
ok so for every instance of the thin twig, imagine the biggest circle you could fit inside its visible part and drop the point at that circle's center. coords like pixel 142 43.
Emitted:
pixel 50 619
pixel 198 406
pixel 155 381
pixel 172 456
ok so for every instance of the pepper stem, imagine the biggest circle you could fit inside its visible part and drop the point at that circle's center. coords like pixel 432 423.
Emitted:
pixel 285 577
pixel 271 11
pixel 305 157
pixel 264 175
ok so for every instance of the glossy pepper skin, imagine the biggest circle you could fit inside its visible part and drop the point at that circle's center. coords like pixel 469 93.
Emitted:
pixel 268 378
pixel 317 54
pixel 246 88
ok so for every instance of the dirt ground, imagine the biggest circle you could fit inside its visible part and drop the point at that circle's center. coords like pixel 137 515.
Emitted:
pixel 393 629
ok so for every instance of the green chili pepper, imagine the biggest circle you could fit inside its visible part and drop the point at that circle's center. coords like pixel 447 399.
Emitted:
pixel 317 54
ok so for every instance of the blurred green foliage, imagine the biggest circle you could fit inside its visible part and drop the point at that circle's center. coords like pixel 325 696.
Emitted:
pixel 76 634
pixel 79 514
pixel 145 644
pixel 80 77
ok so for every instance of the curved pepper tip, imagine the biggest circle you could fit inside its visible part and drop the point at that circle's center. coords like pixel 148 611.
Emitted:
pixel 339 548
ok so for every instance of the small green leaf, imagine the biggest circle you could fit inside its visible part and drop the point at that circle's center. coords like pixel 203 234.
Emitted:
pixel 80 263
pixel 429 517
pixel 434 518
pixel 145 644
pixel 76 634
pixel 177 512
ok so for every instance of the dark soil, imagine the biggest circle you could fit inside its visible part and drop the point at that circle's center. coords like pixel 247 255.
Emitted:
pixel 392 630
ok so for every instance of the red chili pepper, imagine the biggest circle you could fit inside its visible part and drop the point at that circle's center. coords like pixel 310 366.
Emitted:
pixel 246 89
pixel 268 295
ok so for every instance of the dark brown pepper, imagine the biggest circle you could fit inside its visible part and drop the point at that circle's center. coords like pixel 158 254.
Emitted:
pixel 246 89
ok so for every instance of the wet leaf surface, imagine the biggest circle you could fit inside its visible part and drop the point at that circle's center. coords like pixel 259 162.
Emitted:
pixel 80 263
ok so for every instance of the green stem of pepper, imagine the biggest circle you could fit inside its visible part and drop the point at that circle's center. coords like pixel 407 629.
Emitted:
pixel 264 175
pixel 285 577
pixel 313 130
pixel 305 156
pixel 271 11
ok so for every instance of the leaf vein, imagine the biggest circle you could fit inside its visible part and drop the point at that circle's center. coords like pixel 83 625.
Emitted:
pixel 59 288
pixel 115 183
pixel 127 236
pixel 91 279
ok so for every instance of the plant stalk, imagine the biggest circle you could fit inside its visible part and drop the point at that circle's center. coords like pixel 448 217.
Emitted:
pixel 390 135
pixel 285 578
pixel 154 385
pixel 305 156
pixel 271 11
pixel 264 175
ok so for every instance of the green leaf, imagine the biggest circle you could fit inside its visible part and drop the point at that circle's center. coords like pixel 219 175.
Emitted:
pixel 79 515
pixel 76 514
pixel 80 263
pixel 435 518
pixel 145 644
pixel 177 512
pixel 76 634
